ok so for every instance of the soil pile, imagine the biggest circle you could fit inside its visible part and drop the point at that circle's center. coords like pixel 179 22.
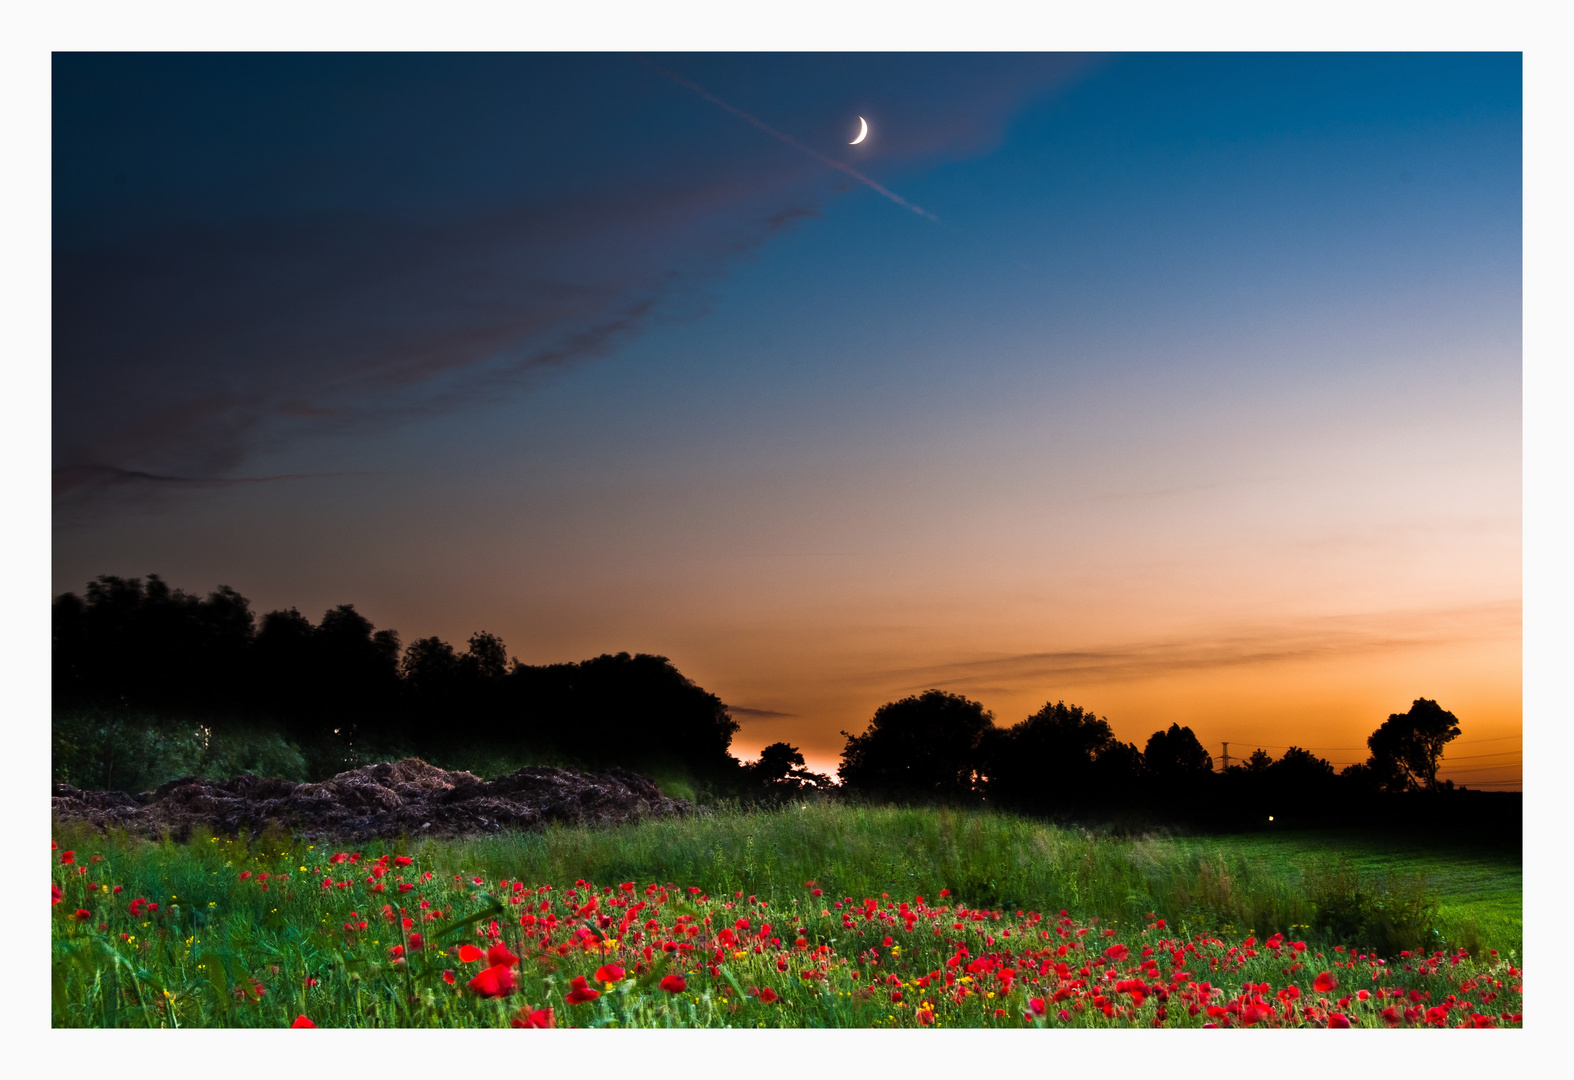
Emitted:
pixel 385 801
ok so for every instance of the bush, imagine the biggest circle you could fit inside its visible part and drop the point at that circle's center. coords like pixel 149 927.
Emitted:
pixel 116 750
pixel 1387 913
pixel 122 750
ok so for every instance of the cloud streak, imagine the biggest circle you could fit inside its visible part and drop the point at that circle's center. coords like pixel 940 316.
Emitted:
pixel 184 354
pixel 738 712
pixel 1311 639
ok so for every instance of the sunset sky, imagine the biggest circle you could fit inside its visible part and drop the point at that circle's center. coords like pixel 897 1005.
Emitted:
pixel 1190 393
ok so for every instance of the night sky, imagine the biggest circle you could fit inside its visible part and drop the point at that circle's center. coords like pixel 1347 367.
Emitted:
pixel 1185 388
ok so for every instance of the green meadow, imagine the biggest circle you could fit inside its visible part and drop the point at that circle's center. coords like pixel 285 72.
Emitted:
pixel 1387 895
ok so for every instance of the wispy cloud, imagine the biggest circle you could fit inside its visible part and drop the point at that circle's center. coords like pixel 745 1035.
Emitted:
pixel 1308 639
pixel 313 264
pixel 738 712
pixel 181 355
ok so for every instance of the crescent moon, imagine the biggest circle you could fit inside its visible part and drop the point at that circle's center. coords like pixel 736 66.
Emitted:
pixel 862 134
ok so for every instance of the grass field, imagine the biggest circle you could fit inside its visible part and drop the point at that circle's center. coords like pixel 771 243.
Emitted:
pixel 227 946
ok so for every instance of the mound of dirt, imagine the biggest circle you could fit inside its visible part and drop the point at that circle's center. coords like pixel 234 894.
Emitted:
pixel 388 800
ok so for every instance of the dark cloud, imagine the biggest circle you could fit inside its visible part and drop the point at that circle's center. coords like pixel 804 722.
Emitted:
pixel 332 245
pixel 184 353
pixel 738 712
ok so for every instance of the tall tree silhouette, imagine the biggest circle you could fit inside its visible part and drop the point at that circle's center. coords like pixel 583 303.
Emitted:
pixel 1408 747
pixel 1061 757
pixel 932 744
pixel 781 767
pixel 145 645
pixel 1176 755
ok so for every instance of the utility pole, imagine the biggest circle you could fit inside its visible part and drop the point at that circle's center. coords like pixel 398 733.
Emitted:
pixel 1226 758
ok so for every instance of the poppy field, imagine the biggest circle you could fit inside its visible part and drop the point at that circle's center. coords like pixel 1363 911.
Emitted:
pixel 282 934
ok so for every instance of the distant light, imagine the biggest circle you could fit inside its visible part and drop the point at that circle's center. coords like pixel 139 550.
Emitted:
pixel 1270 817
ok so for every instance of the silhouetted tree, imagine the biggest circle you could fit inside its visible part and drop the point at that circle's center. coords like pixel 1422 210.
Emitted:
pixel 429 665
pixel 141 644
pixel 1408 746
pixel 929 745
pixel 1298 785
pixel 1300 766
pixel 635 710
pixel 781 767
pixel 131 643
pixel 486 657
pixel 1175 756
pixel 285 669
pixel 1051 760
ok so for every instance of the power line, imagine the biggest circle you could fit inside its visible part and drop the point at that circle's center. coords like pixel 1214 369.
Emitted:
pixel 1352 746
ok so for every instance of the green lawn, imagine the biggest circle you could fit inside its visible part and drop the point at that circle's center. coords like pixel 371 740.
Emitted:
pixel 1479 888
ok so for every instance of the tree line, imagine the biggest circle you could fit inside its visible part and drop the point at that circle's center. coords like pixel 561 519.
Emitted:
pixel 341 688
pixel 1066 759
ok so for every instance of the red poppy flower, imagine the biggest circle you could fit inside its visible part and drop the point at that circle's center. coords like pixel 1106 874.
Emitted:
pixel 610 973
pixel 303 1021
pixel 403 860
pixel 580 992
pixel 448 976
pixel 67 858
pixel 469 954
pixel 416 942
pixel 1117 952
pixel 1324 982
pixel 495 981
pixel 1338 1020
pixel 767 995
pixel 1037 1005
pixel 54 891
pixel 82 915
pixel 499 954
pixel 925 1017
pixel 673 984
pixel 533 1018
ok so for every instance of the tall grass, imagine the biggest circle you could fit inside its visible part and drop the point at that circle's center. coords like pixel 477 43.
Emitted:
pixel 985 858
pixel 991 859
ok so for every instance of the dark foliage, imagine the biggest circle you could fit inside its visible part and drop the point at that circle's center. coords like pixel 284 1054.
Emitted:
pixel 342 688
pixel 1064 760
pixel 781 769
pixel 149 679
pixel 926 746
pixel 1407 748
pixel 1059 759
